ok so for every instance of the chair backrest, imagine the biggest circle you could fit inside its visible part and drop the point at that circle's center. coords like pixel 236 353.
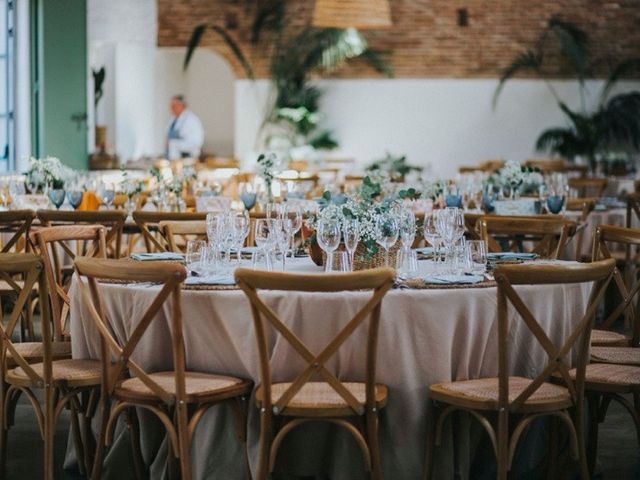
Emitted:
pixel 31 268
pixel 588 187
pixel 149 225
pixel 49 241
pixel 559 358
pixel 112 220
pixel 633 209
pixel 17 224
pixel 628 288
pixel 379 280
pixel 546 165
pixel 116 352
pixel 172 230
pixel 585 206
pixel 548 234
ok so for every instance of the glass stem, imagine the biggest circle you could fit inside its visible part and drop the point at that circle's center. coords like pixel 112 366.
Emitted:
pixel 329 265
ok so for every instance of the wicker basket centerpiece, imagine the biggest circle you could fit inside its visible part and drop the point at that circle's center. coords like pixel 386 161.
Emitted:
pixel 362 259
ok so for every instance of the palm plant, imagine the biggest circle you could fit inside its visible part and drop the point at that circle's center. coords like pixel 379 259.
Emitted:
pixel 294 116
pixel 613 124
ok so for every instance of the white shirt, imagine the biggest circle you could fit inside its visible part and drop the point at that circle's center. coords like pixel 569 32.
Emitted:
pixel 185 137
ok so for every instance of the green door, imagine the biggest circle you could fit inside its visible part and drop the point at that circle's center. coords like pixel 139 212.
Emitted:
pixel 59 71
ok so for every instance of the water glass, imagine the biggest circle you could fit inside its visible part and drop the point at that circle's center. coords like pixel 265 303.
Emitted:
pixel 340 262
pixel 195 254
pixel 248 195
pixel 555 203
pixel 478 253
pixel 407 264
pixel 351 236
pixel 328 236
pixel 56 196
pixel 75 198
pixel 407 228
pixel 262 260
pixel 387 231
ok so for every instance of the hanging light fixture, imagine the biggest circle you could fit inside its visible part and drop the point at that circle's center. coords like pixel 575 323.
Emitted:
pixel 360 14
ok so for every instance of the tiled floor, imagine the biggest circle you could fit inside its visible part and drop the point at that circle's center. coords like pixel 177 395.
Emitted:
pixel 619 454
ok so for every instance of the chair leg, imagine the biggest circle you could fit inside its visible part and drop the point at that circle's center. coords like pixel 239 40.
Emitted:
pixel 374 446
pixel 88 438
pixel 503 445
pixel 594 421
pixel 183 440
pixel 552 467
pixel 49 434
pixel 136 452
pixel 3 429
pixel 77 438
pixel 240 408
pixel 98 458
pixel 578 423
pixel 432 419
pixel 265 445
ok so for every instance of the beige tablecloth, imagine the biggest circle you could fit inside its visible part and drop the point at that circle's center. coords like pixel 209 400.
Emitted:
pixel 426 336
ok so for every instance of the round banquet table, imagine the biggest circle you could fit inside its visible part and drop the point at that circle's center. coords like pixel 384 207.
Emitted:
pixel 426 336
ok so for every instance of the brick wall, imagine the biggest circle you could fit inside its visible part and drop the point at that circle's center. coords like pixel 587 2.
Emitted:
pixel 426 40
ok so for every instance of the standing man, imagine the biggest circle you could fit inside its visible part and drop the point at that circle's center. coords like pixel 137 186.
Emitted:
pixel 185 135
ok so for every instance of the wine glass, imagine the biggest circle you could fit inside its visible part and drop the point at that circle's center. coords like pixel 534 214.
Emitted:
pixel 281 229
pixel 75 197
pixel 293 213
pixel 351 236
pixel 264 239
pixel 57 196
pixel 194 255
pixel 328 236
pixel 241 226
pixel 407 221
pixel 248 195
pixel 107 195
pixel 431 235
pixel 16 190
pixel 387 231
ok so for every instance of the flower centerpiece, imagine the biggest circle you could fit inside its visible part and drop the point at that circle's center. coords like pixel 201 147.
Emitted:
pixel 515 179
pixel 47 173
pixel 367 206
pixel 269 165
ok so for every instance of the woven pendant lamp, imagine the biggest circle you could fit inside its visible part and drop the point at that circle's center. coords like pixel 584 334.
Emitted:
pixel 360 14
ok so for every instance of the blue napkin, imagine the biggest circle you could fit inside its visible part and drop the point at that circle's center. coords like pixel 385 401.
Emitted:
pixel 512 256
pixel 145 257
pixel 211 280
pixel 453 279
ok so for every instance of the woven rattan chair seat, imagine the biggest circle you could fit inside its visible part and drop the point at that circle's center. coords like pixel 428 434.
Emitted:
pixel 74 373
pixel 619 355
pixel 32 352
pixel 607 338
pixel 321 396
pixel 197 386
pixel 5 288
pixel 607 376
pixel 483 393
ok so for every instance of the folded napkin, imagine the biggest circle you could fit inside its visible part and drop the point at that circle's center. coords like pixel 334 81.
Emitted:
pixel 145 257
pixel 211 280
pixel 512 256
pixel 424 251
pixel 453 279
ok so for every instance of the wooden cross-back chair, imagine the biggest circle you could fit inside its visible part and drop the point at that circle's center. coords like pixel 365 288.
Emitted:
pixel 178 397
pixel 327 398
pixel 16 225
pixel 149 225
pixel 174 231
pixel 627 288
pixel 549 234
pixel 585 206
pixel 48 241
pixel 588 187
pixel 529 398
pixel 112 220
pixel 44 366
pixel 633 210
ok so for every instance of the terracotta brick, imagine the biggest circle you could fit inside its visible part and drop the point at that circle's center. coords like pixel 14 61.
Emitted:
pixel 426 40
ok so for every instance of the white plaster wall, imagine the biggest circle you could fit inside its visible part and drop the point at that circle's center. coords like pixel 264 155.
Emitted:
pixel 442 123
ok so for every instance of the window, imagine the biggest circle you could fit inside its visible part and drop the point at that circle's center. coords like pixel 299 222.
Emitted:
pixel 7 55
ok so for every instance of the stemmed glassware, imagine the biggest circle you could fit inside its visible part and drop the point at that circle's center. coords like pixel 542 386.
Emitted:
pixel 294 214
pixel 431 235
pixel 351 236
pixel 407 222
pixel 264 239
pixel 241 223
pixel 387 231
pixel 75 196
pixel 328 236
pixel 248 195
pixel 281 229
pixel 107 195
pixel 450 227
pixel 57 195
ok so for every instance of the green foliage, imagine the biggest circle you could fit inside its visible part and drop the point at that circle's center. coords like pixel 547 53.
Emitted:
pixel 395 165
pixel 98 85
pixel 614 124
pixel 196 38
